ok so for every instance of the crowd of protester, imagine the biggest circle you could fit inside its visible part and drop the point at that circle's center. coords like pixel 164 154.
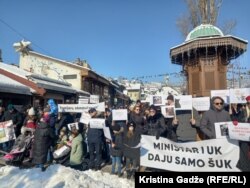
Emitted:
pixel 50 132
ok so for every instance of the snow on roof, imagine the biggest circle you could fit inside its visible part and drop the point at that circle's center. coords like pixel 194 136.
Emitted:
pixel 8 85
pixel 15 70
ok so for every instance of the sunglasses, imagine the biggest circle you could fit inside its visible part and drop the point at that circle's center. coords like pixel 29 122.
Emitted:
pixel 137 109
pixel 219 103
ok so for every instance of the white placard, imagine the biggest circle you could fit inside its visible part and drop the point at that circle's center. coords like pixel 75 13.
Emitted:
pixel 239 95
pixel 73 125
pixel 224 94
pixel 96 123
pixel 94 99
pixel 7 131
pixel 121 114
pixel 201 103
pixel 83 101
pixel 203 156
pixel 157 100
pixel 167 111
pixel 85 117
pixel 183 102
pixel 239 132
pixel 221 129
pixel 80 107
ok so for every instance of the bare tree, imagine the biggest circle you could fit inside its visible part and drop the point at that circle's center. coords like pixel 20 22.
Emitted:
pixel 228 26
pixel 202 12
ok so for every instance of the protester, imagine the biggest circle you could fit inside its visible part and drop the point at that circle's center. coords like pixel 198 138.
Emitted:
pixel 43 139
pixel 76 153
pixel 95 139
pixel 116 150
pixel 215 114
pixel 131 148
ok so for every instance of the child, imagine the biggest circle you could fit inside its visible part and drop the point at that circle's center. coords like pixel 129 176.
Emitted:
pixel 116 150
pixel 63 138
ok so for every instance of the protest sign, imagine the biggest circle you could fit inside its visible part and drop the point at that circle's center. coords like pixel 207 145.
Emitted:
pixel 7 131
pixel 121 114
pixel 96 123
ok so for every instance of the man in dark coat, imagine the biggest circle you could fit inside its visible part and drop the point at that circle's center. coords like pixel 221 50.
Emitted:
pixel 95 139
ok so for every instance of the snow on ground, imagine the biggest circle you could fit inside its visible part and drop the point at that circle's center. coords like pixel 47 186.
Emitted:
pixel 58 176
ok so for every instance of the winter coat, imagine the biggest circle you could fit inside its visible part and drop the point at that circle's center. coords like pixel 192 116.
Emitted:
pixel 185 130
pixel 43 139
pixel 138 119
pixel 130 144
pixel 210 117
pixel 117 150
pixel 66 119
pixel 95 135
pixel 155 125
pixel 76 153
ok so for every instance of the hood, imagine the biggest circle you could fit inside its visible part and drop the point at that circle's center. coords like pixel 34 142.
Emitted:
pixel 212 102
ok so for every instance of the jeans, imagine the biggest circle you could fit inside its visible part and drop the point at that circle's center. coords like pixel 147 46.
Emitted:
pixel 116 161
pixel 95 154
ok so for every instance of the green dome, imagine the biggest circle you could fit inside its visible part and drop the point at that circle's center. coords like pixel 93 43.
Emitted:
pixel 204 30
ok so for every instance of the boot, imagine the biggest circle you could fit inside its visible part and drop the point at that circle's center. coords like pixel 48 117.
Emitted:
pixel 133 173
pixel 128 174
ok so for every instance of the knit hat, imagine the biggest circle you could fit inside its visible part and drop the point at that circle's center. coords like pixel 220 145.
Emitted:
pixel 248 98
pixel 31 112
pixel 10 107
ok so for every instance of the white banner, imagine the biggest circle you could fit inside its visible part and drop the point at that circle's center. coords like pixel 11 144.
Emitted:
pixel 121 114
pixel 80 107
pixel 239 95
pixel 183 102
pixel 7 131
pixel 207 155
pixel 241 131
pixel 96 123
pixel 201 103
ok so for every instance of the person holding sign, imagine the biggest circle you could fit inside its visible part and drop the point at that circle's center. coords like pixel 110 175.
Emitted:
pixel 247 110
pixel 116 150
pixel 215 114
pixel 155 125
pixel 95 138
pixel 244 161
